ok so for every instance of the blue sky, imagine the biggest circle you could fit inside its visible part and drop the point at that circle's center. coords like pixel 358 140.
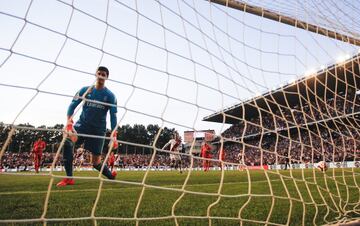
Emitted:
pixel 171 62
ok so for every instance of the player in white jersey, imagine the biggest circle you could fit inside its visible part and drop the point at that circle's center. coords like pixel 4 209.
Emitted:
pixel 240 158
pixel 117 160
pixel 79 157
pixel 175 145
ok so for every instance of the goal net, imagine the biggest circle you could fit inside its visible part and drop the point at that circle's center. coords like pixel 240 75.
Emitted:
pixel 275 82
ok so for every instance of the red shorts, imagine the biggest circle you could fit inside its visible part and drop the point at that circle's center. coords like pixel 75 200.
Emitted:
pixel 37 158
pixel 208 156
pixel 37 155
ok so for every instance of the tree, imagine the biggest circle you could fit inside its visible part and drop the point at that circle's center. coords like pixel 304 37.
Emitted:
pixel 24 138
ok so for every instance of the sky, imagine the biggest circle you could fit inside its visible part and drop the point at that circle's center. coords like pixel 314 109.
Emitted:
pixel 171 62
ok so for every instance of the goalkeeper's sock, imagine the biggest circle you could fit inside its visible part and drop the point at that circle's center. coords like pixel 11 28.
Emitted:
pixel 106 172
pixel 68 157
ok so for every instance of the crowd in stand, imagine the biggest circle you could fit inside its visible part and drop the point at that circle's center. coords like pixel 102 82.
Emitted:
pixel 330 142
pixel 331 147
pixel 254 141
pixel 337 149
pixel 161 160
pixel 298 116
pixel 24 161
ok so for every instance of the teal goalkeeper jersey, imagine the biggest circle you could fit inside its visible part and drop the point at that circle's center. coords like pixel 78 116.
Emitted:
pixel 93 115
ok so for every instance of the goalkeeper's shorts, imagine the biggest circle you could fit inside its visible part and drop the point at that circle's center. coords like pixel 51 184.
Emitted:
pixel 92 144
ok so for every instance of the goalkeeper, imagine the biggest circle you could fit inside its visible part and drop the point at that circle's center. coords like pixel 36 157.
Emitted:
pixel 92 122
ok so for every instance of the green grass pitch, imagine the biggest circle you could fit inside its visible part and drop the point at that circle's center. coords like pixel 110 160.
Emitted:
pixel 315 198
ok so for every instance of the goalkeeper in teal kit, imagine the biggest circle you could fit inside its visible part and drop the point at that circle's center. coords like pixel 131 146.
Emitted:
pixel 92 122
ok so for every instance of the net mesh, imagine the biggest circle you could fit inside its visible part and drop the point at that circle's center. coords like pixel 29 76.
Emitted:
pixel 336 16
pixel 286 90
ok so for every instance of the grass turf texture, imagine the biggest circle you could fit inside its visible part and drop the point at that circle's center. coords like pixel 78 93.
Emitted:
pixel 324 198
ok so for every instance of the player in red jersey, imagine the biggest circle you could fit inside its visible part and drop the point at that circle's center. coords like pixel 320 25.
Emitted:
pixel 111 161
pixel 38 148
pixel 205 153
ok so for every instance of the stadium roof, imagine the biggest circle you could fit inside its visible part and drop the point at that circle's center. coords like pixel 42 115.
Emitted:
pixel 339 78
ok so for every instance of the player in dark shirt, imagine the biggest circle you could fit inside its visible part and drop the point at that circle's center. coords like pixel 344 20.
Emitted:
pixel 99 100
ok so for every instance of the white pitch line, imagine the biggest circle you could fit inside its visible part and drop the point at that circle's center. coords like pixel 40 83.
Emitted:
pixel 119 189
pixel 138 186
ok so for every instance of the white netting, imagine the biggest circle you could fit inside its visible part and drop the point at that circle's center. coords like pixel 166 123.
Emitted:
pixel 342 17
pixel 291 69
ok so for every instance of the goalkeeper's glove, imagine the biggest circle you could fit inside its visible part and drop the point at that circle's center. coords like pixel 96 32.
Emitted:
pixel 114 140
pixel 69 125
pixel 70 131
